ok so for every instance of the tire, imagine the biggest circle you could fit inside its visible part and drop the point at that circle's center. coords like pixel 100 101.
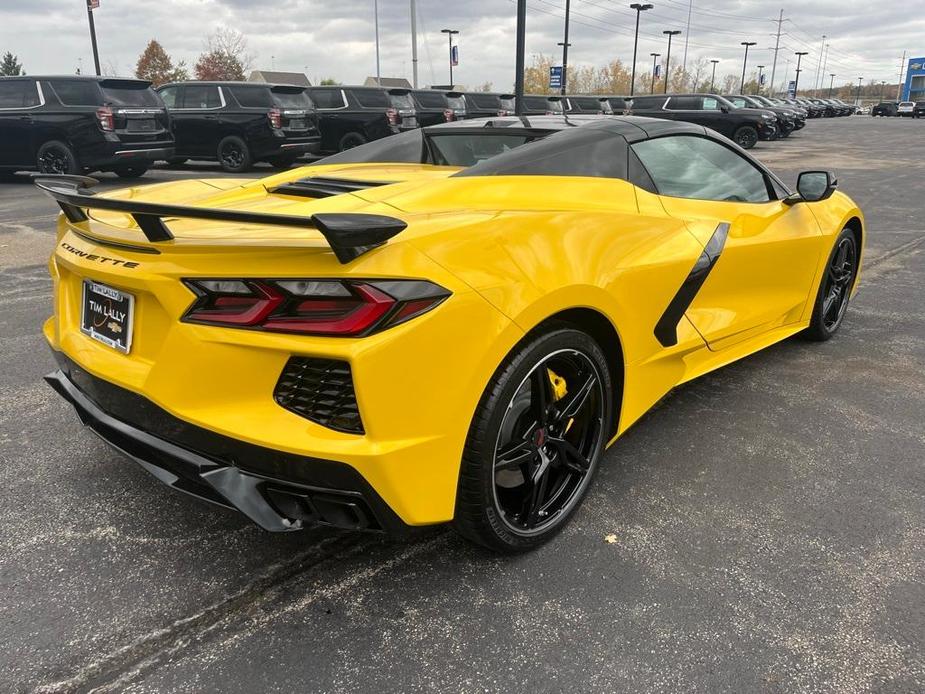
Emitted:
pixel 836 285
pixel 56 157
pixel 507 418
pixel 746 137
pixel 234 156
pixel 282 162
pixel 131 171
pixel 785 131
pixel 351 140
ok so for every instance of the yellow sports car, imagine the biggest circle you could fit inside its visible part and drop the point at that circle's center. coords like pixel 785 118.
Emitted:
pixel 379 345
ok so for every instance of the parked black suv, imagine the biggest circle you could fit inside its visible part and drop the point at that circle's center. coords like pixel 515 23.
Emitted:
pixel 432 107
pixel 786 119
pixel 919 110
pixel 885 108
pixel 535 105
pixel 80 124
pixel 479 104
pixel 599 105
pixel 239 123
pixel 352 116
pixel 744 126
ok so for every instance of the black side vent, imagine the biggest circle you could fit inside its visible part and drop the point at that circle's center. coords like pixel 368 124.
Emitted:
pixel 320 187
pixel 321 390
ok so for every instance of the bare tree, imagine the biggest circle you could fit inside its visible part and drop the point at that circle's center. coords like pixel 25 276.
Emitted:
pixel 232 43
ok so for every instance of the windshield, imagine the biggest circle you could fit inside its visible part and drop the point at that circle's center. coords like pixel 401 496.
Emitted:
pixel 127 94
pixel 401 101
pixel 290 99
pixel 466 149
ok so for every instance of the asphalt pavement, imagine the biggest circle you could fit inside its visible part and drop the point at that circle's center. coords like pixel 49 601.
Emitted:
pixel 768 521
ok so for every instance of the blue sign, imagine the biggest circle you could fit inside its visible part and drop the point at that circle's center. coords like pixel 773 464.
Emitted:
pixel 454 55
pixel 913 88
pixel 555 77
pixel 791 89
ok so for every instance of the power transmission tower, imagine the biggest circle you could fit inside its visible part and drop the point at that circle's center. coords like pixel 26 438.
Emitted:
pixel 776 48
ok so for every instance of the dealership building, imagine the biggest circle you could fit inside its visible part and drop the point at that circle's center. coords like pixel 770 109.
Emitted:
pixel 914 87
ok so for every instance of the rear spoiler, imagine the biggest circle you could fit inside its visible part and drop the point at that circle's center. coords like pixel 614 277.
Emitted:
pixel 350 235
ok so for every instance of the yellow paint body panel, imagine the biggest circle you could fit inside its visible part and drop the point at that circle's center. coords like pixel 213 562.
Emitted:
pixel 512 250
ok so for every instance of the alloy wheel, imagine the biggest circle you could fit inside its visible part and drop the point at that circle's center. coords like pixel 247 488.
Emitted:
pixel 232 155
pixel 54 161
pixel 548 442
pixel 838 282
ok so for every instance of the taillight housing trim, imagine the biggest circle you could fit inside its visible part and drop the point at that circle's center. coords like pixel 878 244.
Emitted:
pixel 106 119
pixel 392 115
pixel 275 117
pixel 328 307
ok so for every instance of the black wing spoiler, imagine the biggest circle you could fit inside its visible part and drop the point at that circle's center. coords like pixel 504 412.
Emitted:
pixel 349 235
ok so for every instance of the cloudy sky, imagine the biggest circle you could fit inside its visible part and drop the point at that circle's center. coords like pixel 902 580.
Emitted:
pixel 335 38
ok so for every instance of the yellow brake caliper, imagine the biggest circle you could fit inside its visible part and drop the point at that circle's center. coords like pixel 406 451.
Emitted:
pixel 559 391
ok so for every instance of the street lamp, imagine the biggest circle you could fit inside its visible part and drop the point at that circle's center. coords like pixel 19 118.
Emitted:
pixel 655 56
pixel 760 75
pixel 713 76
pixel 669 33
pixel 831 83
pixel 639 10
pixel 449 35
pixel 796 81
pixel 857 99
pixel 744 62
pixel 565 44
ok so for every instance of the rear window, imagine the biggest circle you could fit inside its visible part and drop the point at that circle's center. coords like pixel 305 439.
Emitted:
pixel 586 103
pixel 466 149
pixel 507 102
pixel 18 94
pixel 328 98
pixel 645 102
pixel 290 98
pixel 536 103
pixel 430 99
pixel 457 103
pixel 129 94
pixel 372 98
pixel 77 92
pixel 489 101
pixel 252 97
pixel 401 100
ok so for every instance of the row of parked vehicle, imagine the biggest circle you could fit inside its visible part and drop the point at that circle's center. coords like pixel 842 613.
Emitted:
pixel 77 124
pixel 908 109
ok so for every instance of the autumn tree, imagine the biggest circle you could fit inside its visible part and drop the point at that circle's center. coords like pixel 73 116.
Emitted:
pixel 155 65
pixel 225 57
pixel 10 65
pixel 329 82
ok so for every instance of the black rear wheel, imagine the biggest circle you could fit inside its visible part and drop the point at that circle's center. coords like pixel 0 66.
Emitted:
pixel 351 140
pixel 131 171
pixel 57 158
pixel 234 154
pixel 746 137
pixel 835 288
pixel 535 442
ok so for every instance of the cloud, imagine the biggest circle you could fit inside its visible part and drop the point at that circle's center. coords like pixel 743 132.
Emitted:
pixel 336 39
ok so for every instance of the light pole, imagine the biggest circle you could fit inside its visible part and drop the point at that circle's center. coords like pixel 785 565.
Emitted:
pixel 96 55
pixel 760 75
pixel 639 10
pixel 655 57
pixel 449 35
pixel 857 99
pixel 713 76
pixel 744 63
pixel 519 49
pixel 669 33
pixel 376 22
pixel 565 44
pixel 796 80
pixel 882 85
pixel 831 83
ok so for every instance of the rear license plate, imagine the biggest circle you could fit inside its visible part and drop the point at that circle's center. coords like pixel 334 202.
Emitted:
pixel 297 124
pixel 142 125
pixel 106 315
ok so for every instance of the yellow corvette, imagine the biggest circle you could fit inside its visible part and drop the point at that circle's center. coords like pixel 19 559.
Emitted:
pixel 379 344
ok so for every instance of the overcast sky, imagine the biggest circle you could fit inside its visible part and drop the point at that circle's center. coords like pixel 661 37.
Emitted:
pixel 335 38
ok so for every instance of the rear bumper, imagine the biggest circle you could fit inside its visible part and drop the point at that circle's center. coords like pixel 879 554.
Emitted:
pixel 119 154
pixel 221 470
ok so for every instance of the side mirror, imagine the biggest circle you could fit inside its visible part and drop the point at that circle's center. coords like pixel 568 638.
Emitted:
pixel 813 186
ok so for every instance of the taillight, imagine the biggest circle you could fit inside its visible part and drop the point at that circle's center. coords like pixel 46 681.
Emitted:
pixel 341 308
pixel 105 118
pixel 276 118
pixel 449 115
pixel 392 115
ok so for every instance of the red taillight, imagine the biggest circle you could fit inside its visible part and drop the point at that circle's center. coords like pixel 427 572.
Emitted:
pixel 276 118
pixel 105 118
pixel 392 115
pixel 311 307
pixel 449 115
